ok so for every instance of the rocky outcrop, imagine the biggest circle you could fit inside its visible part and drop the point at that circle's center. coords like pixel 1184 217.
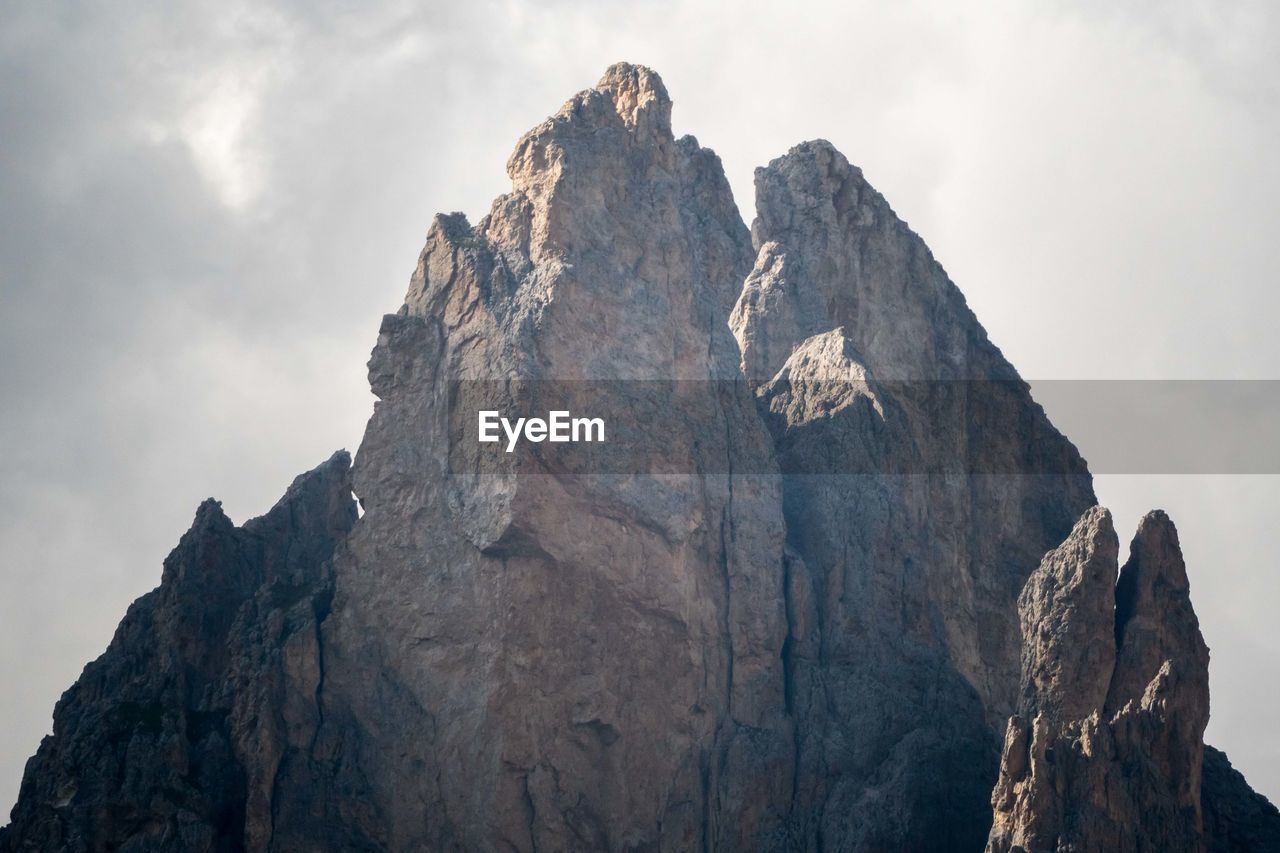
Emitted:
pixel 921 485
pixel 789 604
pixel 1107 750
pixel 1237 819
pixel 206 701
pixel 832 255
pixel 1067 612
pixel 591 661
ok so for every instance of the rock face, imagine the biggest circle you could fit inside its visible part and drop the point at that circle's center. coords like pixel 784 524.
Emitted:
pixel 174 738
pixel 1236 818
pixel 1106 753
pixel 921 486
pixel 585 660
pixel 796 615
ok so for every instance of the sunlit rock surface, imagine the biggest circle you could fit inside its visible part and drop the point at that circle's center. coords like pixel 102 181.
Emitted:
pixel 798 615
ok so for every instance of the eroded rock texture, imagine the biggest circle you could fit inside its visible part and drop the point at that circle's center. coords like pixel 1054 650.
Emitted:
pixel 206 700
pixel 1107 750
pixel 585 661
pixel 1237 819
pixel 921 486
pixel 790 619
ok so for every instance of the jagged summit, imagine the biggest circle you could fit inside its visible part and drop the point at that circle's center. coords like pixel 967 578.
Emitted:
pixel 1154 618
pixel 1067 605
pixel 639 97
pixel 832 252
pixel 1107 751
pixel 515 651
pixel 629 106
pixel 209 691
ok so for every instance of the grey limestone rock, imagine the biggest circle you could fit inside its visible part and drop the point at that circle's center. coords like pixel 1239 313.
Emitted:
pixel 921 486
pixel 1237 819
pixel 205 703
pixel 797 615
pixel 587 660
pixel 1106 753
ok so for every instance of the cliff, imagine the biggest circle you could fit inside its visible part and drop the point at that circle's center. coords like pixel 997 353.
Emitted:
pixel 832 556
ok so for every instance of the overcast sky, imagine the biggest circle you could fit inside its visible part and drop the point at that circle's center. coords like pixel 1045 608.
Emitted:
pixel 205 208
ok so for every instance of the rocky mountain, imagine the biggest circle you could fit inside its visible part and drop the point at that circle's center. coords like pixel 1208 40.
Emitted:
pixel 831 557
pixel 173 739
pixel 1107 747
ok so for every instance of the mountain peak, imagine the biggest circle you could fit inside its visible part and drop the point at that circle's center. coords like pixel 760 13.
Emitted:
pixel 639 96
pixel 517 651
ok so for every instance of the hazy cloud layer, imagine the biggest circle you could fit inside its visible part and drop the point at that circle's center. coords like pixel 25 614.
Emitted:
pixel 208 205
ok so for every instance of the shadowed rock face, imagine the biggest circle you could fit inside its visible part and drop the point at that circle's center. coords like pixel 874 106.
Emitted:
pixel 206 698
pixel 1067 610
pixel 1236 818
pixel 894 418
pixel 586 660
pixel 1107 750
pixel 798 620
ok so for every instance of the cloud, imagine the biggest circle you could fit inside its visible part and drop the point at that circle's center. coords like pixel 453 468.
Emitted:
pixel 208 206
